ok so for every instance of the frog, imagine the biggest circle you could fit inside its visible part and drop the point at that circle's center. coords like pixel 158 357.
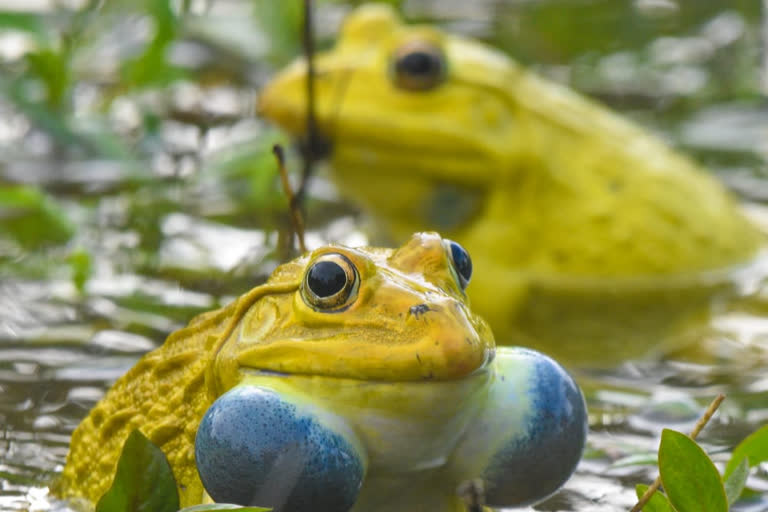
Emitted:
pixel 594 240
pixel 352 379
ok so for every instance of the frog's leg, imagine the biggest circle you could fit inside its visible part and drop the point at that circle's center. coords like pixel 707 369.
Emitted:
pixel 255 446
pixel 527 440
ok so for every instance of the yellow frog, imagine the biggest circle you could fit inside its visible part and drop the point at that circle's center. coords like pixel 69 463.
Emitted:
pixel 354 379
pixel 592 239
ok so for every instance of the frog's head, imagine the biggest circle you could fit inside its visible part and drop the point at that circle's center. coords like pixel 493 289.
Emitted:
pixel 404 101
pixel 368 314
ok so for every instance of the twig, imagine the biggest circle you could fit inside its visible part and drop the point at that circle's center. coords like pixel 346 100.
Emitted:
pixel 646 497
pixel 707 415
pixel 298 221
pixel 765 46
pixel 472 492
pixel 311 137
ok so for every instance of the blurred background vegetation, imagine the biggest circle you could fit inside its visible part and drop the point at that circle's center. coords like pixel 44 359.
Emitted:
pixel 148 107
pixel 137 187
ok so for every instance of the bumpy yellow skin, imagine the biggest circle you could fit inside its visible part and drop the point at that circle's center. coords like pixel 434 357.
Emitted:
pixel 567 209
pixel 333 355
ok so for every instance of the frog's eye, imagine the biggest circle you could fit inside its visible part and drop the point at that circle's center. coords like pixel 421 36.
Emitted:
pixel 462 263
pixel 418 66
pixel 330 283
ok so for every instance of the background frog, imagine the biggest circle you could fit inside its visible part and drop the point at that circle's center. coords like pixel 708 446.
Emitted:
pixel 352 377
pixel 592 239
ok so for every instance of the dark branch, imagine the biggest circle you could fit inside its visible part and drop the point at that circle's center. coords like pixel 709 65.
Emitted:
pixel 312 139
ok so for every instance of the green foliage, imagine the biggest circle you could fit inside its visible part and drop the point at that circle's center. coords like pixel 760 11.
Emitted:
pixel 23 22
pixel 657 503
pixel 19 92
pixel 734 483
pixel 754 447
pixel 42 89
pixel 52 68
pixel 82 266
pixel 31 218
pixel 144 481
pixel 690 479
pixel 281 22
pixel 152 67
pixel 50 61
pixel 250 169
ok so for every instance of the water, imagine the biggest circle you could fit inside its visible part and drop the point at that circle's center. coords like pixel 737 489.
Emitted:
pixel 159 177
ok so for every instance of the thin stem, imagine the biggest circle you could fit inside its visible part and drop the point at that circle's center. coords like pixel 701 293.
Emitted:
pixel 646 497
pixel 298 221
pixel 765 46
pixel 311 122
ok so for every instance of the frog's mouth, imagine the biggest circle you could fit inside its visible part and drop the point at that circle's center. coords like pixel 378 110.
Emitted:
pixel 428 360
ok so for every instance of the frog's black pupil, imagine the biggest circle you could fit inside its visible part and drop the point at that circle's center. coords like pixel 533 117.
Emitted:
pixel 419 63
pixel 326 278
pixel 462 263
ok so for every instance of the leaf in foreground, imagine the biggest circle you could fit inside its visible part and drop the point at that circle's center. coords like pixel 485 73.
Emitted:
pixel 754 447
pixel 691 481
pixel 143 482
pixel 657 503
pixel 735 482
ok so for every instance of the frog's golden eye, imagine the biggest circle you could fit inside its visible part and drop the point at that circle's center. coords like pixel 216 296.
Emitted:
pixel 418 66
pixel 330 283
pixel 461 261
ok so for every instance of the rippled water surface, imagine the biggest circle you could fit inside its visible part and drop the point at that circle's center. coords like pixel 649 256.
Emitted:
pixel 175 209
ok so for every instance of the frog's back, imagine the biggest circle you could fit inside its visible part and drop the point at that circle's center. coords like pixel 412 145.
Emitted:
pixel 523 171
pixel 605 198
pixel 164 396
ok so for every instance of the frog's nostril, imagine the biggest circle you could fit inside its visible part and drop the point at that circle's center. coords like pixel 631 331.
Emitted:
pixel 418 310
pixel 255 448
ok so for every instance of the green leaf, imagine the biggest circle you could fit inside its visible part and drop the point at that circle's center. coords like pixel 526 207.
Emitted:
pixel 31 218
pixel 80 262
pixel 151 67
pixel 33 24
pixel 691 481
pixel 754 447
pixel 657 503
pixel 144 481
pixel 53 68
pixel 282 23
pixel 223 506
pixel 735 482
